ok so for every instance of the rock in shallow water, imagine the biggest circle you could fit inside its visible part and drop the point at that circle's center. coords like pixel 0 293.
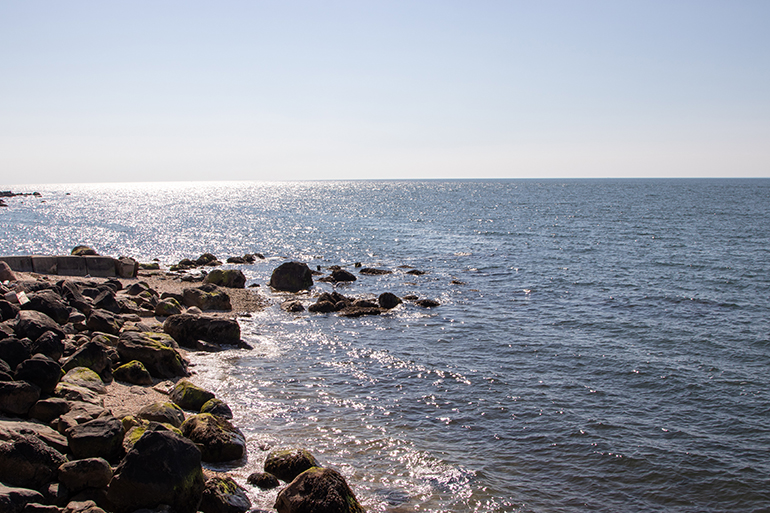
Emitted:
pixel 318 490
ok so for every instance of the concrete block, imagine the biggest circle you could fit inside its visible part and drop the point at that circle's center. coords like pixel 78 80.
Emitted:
pixel 71 266
pixel 22 264
pixel 44 264
pixel 100 266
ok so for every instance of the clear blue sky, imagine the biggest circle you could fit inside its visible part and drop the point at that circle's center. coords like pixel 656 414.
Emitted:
pixel 95 91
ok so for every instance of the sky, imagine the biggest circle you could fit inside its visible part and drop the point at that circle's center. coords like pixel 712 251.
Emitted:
pixel 119 91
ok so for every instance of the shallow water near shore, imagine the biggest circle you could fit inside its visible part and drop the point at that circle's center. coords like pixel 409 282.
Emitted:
pixel 601 345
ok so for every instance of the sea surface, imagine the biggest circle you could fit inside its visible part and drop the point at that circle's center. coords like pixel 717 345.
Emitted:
pixel 601 345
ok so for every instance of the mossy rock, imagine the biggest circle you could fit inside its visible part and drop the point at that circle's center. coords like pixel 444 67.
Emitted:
pixel 167 307
pixel 133 372
pixel 157 351
pixel 189 396
pixel 135 432
pixel 217 407
pixel 318 489
pixel 286 464
pixel 217 439
pixel 230 278
pixel 162 412
pixel 224 495
pixel 86 378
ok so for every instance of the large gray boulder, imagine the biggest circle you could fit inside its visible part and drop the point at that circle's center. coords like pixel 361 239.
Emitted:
pixel 98 438
pixel 31 324
pixel 14 500
pixel 318 490
pixel 291 277
pixel 104 321
pixel 157 352
pixel 50 303
pixel 94 355
pixel 41 371
pixel 13 351
pixel 17 397
pixel 188 329
pixel 161 468
pixel 28 462
pixel 217 439
pixel 86 473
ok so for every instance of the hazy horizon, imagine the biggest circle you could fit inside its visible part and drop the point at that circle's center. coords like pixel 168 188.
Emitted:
pixel 265 91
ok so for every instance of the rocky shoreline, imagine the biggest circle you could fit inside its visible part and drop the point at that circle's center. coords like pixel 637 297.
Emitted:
pixel 96 411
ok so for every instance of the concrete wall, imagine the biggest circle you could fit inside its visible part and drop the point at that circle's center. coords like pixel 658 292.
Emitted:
pixel 70 265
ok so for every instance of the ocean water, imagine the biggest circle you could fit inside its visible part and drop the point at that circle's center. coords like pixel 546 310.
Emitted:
pixel 601 345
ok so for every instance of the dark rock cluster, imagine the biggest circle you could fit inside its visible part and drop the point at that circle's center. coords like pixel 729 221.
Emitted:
pixel 62 451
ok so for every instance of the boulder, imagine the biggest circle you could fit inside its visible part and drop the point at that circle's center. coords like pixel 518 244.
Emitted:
pixel 359 311
pixel 31 324
pixel 292 306
pixel 82 506
pixel 166 307
pixel 12 429
pixel 50 344
pixel 161 468
pixel 217 407
pixel 427 303
pixel 189 396
pixel 217 439
pixel 28 462
pixel 157 352
pixel 138 427
pixel 223 495
pixel 188 329
pixel 83 251
pixel 45 410
pixel 94 355
pixel 17 397
pixel 207 259
pixel 373 272
pixel 14 500
pixel 207 297
pixel 86 378
pixel 98 438
pixel 86 473
pixel 291 277
pixel 76 393
pixel 6 273
pixel 230 278
pixel 318 490
pixel 286 464
pixel 106 301
pixel 263 480
pixel 13 351
pixel 41 371
pixel 168 413
pixel 104 321
pixel 133 372
pixel 339 275
pixel 322 306
pixel 7 310
pixel 388 300
pixel 50 303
